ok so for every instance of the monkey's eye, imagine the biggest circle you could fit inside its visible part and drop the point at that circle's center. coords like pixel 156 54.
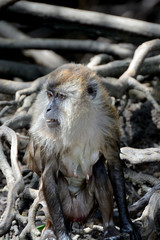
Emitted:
pixel 92 91
pixel 60 96
pixel 49 94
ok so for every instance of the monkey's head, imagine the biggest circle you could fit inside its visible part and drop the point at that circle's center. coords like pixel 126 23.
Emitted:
pixel 70 90
pixel 70 102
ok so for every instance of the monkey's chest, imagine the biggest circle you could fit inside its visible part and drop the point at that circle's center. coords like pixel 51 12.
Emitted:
pixel 76 166
pixel 80 157
pixel 75 184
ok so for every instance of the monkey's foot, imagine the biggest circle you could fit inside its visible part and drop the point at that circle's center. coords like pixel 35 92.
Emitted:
pixel 111 233
pixel 132 231
pixel 48 233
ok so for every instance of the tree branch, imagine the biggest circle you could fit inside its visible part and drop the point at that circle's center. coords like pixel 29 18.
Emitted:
pixel 138 156
pixel 97 23
pixel 67 45
pixel 17 184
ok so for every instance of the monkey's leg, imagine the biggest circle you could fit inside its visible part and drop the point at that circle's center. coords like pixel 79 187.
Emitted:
pixel 104 196
pixel 117 180
pixel 51 195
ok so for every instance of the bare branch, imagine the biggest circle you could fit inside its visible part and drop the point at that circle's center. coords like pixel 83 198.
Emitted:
pixel 4 3
pixel 44 57
pixel 142 202
pixel 5 168
pixel 35 87
pixel 137 156
pixel 67 45
pixel 139 56
pixel 17 185
pixel 116 68
pixel 148 217
pixel 97 23
pixel 11 87
pixel 4 110
pixel 140 177
pixel 127 80
pixel 30 227
pixel 21 118
pixel 22 70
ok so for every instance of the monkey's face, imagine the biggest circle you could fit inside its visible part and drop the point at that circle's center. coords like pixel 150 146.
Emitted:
pixel 71 91
pixel 52 112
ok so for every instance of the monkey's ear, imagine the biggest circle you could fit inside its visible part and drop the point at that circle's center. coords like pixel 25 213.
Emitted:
pixel 92 89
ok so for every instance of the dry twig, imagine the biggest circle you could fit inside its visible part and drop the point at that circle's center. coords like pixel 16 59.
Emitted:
pixel 127 80
pixel 22 70
pixel 15 180
pixel 148 218
pixel 67 45
pixel 96 23
pixel 142 202
pixel 30 227
pixel 4 3
pixel 46 58
pixel 116 68
pixel 137 156
pixel 11 87
pixel 140 178
pixel 21 118
pixel 35 87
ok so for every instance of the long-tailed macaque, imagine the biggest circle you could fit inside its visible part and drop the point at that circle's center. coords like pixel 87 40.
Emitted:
pixel 74 134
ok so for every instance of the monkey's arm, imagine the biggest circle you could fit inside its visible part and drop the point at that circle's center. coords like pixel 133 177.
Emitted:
pixel 117 179
pixel 51 195
pixel 32 157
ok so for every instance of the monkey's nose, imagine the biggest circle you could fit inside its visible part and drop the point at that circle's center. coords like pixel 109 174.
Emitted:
pixel 48 109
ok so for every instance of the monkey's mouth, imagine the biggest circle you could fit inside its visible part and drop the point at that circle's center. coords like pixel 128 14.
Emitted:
pixel 52 123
